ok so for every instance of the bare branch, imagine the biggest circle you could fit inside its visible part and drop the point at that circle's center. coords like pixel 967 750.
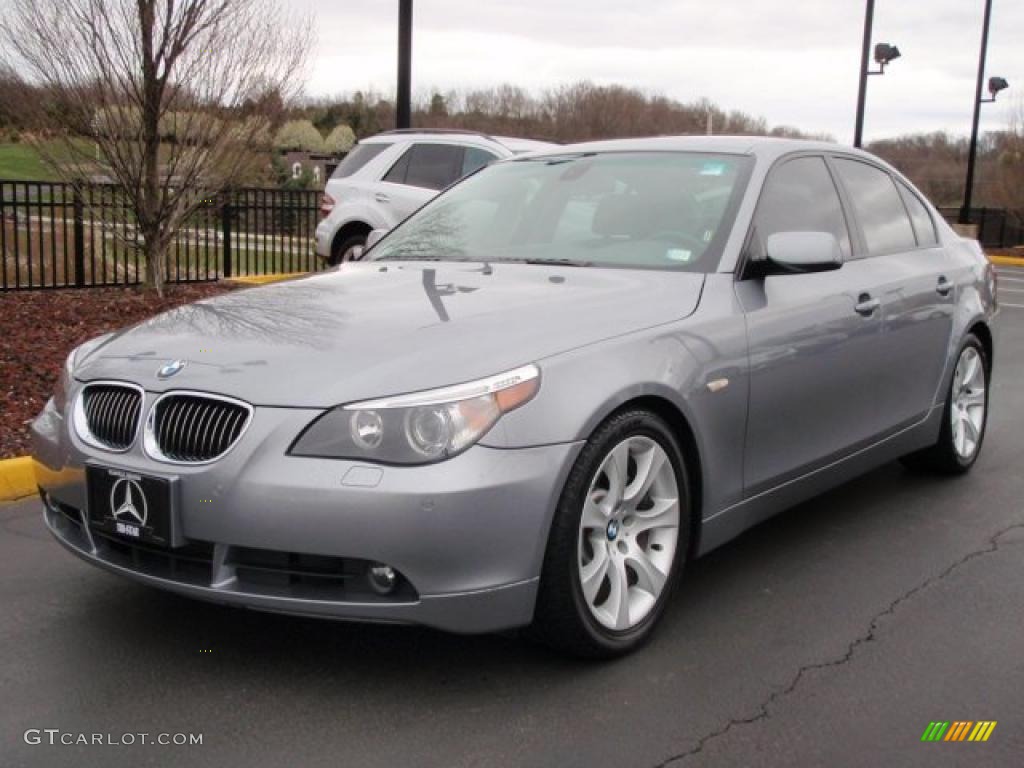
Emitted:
pixel 155 94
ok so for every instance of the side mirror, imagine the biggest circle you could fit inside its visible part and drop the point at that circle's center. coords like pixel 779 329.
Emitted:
pixel 374 237
pixel 357 252
pixel 800 252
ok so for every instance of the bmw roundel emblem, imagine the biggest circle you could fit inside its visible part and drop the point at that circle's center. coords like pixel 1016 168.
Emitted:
pixel 170 369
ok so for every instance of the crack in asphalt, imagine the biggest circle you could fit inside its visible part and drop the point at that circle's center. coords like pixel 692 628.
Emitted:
pixel 762 712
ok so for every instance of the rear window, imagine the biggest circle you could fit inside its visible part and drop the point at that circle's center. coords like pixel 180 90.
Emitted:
pixel 924 227
pixel 878 206
pixel 360 155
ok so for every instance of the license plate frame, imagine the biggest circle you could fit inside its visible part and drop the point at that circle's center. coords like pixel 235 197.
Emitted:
pixel 135 507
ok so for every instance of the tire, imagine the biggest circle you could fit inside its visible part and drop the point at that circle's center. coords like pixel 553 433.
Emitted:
pixel 582 624
pixel 341 250
pixel 951 455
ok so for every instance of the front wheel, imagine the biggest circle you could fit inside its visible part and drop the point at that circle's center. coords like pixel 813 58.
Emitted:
pixel 620 534
pixel 965 416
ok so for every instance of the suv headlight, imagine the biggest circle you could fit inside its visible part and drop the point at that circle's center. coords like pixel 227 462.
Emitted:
pixel 418 428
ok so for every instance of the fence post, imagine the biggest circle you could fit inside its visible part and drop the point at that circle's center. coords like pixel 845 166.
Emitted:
pixel 225 222
pixel 79 236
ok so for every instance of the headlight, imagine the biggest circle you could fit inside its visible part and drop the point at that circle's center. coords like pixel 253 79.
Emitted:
pixel 418 428
pixel 60 392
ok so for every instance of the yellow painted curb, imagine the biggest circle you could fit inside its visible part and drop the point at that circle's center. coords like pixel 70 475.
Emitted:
pixel 16 478
pixel 1007 261
pixel 263 279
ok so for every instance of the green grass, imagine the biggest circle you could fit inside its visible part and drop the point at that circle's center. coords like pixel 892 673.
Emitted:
pixel 20 161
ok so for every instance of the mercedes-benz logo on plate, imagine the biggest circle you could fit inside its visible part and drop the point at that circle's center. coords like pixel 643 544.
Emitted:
pixel 128 502
pixel 171 368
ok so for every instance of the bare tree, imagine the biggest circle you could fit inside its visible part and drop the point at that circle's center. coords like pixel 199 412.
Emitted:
pixel 1010 162
pixel 170 95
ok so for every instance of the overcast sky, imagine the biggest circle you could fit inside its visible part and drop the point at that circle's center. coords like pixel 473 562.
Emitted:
pixel 794 61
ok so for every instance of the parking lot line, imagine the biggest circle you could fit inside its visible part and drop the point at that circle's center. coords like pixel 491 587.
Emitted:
pixel 1011 279
pixel 1012 306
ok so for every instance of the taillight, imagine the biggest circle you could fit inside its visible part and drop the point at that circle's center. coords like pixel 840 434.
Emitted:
pixel 326 205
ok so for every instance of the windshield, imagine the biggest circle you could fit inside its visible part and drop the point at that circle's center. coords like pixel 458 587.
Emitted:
pixel 625 209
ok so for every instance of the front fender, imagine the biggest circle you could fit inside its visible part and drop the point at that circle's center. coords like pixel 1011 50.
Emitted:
pixel 674 363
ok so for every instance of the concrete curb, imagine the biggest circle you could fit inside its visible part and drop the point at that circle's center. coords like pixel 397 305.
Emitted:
pixel 264 279
pixel 17 479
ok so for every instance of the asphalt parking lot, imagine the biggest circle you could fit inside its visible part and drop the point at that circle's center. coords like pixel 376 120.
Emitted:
pixel 830 635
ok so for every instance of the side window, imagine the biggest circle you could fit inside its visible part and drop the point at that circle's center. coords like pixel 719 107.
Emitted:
pixel 434 166
pixel 878 206
pixel 360 155
pixel 474 159
pixel 800 196
pixel 924 227
pixel 397 173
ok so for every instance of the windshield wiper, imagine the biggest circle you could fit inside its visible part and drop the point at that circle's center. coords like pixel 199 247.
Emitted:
pixel 419 258
pixel 548 262
pixel 555 159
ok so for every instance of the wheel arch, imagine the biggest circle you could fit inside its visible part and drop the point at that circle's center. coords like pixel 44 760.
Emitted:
pixel 684 433
pixel 347 230
pixel 981 330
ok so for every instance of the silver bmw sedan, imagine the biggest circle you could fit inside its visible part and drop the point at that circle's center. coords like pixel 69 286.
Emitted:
pixel 531 403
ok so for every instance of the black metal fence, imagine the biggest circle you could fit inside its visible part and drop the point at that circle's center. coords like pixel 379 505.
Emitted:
pixel 54 237
pixel 997 227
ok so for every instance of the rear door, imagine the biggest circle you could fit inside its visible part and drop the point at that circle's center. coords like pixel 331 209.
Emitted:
pixel 421 172
pixel 813 337
pixel 916 286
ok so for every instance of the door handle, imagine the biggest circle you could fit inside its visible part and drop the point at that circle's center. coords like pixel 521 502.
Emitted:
pixel 380 197
pixel 943 287
pixel 866 305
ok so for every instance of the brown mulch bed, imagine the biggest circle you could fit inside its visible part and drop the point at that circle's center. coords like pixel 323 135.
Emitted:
pixel 40 328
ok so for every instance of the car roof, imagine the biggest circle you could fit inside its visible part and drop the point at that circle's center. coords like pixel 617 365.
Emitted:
pixel 514 144
pixel 766 147
pixel 517 145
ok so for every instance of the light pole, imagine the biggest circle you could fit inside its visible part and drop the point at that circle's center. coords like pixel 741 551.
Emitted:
pixel 884 54
pixel 995 85
pixel 403 108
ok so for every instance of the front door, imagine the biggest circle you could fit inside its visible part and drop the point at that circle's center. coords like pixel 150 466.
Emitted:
pixel 813 338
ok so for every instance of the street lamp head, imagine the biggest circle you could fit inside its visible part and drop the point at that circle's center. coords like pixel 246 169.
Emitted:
pixel 997 84
pixel 885 53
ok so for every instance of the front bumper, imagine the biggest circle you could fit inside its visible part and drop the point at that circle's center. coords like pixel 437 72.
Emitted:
pixel 468 534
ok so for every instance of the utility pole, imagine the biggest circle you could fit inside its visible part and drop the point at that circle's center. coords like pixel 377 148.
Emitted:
pixel 862 91
pixel 403 109
pixel 965 209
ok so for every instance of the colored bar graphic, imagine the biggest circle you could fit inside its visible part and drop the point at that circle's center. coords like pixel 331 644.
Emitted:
pixel 958 730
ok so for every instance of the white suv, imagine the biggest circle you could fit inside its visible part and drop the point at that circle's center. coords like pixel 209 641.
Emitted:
pixel 388 176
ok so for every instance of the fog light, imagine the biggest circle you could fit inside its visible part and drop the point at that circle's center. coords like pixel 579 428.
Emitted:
pixel 383 578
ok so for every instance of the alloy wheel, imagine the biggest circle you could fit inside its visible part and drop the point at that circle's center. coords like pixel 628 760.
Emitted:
pixel 629 530
pixel 967 411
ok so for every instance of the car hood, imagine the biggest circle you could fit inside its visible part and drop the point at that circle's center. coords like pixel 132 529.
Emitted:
pixel 372 329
